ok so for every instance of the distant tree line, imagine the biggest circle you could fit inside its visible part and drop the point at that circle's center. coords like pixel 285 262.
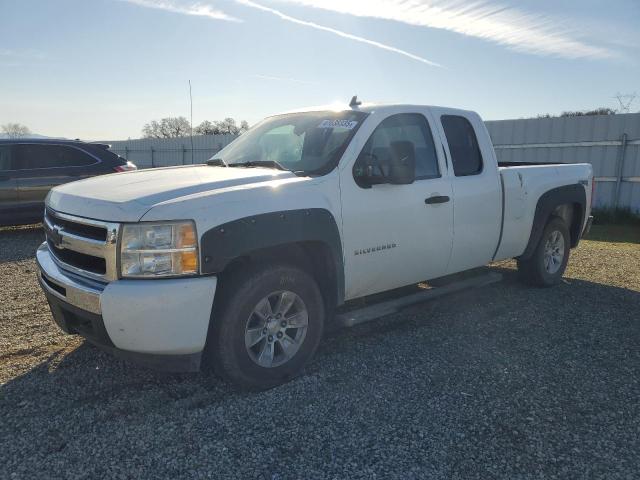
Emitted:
pixel 597 111
pixel 15 130
pixel 172 127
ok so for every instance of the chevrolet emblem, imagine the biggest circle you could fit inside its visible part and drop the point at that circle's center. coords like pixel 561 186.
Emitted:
pixel 55 237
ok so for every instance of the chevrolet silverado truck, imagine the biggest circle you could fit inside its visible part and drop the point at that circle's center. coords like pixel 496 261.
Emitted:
pixel 238 264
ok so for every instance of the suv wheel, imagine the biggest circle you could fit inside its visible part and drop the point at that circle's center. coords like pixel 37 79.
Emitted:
pixel 267 327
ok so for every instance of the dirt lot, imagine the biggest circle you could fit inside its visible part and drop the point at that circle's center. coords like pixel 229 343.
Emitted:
pixel 501 382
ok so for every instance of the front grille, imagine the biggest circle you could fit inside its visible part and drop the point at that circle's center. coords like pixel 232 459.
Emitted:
pixel 88 231
pixel 80 260
pixel 83 246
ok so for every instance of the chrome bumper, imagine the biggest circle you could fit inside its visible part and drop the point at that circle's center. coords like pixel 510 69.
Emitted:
pixel 75 290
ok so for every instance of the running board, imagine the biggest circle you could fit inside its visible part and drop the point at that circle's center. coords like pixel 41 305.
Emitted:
pixel 372 312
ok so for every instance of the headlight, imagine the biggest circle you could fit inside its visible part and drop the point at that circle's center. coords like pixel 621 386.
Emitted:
pixel 165 249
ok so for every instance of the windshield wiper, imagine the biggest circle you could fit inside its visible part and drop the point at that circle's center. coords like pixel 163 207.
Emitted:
pixel 259 163
pixel 216 162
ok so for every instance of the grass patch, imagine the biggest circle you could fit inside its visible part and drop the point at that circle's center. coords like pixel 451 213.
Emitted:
pixel 618 216
pixel 615 233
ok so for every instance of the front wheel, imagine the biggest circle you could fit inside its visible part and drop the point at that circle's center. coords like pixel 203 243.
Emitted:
pixel 549 260
pixel 267 327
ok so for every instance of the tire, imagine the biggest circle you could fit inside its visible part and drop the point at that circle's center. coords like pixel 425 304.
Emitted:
pixel 243 317
pixel 549 260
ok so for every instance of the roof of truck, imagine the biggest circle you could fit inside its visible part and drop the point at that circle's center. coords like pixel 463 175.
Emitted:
pixel 369 108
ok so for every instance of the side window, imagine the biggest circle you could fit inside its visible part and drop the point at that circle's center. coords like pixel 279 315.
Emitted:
pixel 5 160
pixel 400 135
pixel 32 156
pixel 463 145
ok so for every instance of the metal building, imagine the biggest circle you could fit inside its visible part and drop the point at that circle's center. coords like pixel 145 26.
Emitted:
pixel 611 143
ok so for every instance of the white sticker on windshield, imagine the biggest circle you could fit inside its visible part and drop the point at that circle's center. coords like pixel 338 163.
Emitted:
pixel 348 124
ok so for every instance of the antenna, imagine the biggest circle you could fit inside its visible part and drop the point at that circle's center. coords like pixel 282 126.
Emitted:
pixel 355 103
pixel 191 121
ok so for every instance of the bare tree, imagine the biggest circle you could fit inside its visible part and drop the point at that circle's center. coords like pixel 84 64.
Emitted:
pixel 226 126
pixel 168 127
pixel 15 130
pixel 207 128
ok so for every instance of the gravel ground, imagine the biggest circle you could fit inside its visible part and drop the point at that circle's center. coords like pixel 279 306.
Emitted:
pixel 500 382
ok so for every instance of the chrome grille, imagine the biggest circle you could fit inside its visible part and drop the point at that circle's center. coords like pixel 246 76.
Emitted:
pixel 83 246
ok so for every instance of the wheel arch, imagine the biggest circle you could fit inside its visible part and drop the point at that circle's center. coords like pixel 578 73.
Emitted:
pixel 567 202
pixel 308 238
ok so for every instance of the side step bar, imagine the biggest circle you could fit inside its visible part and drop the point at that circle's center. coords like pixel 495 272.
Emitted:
pixel 372 312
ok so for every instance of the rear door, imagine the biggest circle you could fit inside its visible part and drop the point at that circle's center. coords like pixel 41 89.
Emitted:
pixel 8 185
pixel 41 167
pixel 476 188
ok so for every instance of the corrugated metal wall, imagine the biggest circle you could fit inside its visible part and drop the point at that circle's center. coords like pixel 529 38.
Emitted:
pixel 163 152
pixel 611 143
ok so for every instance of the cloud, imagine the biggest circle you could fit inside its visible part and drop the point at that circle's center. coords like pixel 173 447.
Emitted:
pixel 206 10
pixel 521 31
pixel 26 54
pixel 340 33
pixel 198 9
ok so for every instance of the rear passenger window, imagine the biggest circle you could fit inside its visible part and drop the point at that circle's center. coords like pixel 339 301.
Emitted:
pixel 31 156
pixel 463 145
pixel 5 161
pixel 408 129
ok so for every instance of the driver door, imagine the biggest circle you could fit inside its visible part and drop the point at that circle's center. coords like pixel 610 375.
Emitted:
pixel 396 234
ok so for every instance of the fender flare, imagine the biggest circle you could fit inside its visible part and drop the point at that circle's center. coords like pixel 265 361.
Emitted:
pixel 547 203
pixel 224 243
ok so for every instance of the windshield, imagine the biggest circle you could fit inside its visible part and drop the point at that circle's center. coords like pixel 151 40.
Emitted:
pixel 305 143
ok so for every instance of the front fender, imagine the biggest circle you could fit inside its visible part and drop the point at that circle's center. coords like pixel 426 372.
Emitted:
pixel 224 243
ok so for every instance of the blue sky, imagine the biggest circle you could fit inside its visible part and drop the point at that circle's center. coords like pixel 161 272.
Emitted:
pixel 100 69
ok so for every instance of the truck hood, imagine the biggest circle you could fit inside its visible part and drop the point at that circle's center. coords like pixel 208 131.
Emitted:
pixel 126 197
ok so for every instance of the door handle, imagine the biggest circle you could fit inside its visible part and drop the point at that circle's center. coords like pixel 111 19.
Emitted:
pixel 436 199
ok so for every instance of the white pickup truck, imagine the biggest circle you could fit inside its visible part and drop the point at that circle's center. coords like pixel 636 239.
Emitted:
pixel 239 263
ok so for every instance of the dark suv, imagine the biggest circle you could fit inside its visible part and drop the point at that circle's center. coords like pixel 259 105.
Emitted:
pixel 30 168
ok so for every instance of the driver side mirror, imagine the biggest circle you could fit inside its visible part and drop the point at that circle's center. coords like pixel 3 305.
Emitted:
pixel 395 166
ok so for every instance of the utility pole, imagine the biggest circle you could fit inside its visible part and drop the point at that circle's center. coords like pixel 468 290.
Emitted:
pixel 625 100
pixel 191 121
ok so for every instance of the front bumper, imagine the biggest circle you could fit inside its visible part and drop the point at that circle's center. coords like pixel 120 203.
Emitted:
pixel 159 323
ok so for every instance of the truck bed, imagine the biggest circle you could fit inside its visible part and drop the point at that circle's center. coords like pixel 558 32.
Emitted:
pixel 522 185
pixel 525 164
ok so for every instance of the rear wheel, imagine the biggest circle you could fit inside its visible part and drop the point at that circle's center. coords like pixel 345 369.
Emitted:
pixel 549 260
pixel 267 327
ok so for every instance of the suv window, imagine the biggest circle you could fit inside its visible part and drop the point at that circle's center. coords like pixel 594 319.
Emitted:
pixel 463 145
pixel 5 161
pixel 30 156
pixel 409 129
